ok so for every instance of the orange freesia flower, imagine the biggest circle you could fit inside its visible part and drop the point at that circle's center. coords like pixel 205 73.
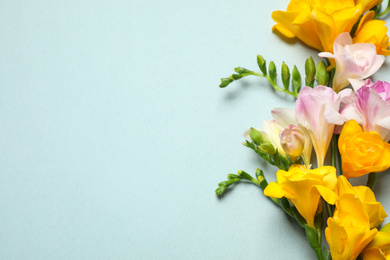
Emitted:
pixel 374 210
pixel 304 188
pixel 373 31
pixel 348 231
pixel 379 247
pixel 317 23
pixel 362 152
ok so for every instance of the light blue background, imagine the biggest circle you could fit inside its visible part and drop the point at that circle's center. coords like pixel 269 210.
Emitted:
pixel 114 133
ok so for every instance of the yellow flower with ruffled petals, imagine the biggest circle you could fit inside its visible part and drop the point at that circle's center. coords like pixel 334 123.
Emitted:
pixel 348 231
pixel 373 31
pixel 304 188
pixel 362 152
pixel 374 210
pixel 318 23
pixel 379 247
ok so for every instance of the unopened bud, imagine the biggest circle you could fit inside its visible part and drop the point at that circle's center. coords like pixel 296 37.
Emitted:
pixel 310 71
pixel 267 147
pixel 322 75
pixel 262 64
pixel 256 136
pixel 292 140
pixel 296 80
pixel 272 71
pixel 285 76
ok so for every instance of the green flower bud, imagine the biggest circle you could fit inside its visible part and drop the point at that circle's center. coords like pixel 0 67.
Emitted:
pixel 285 76
pixel 236 76
pixel 225 82
pixel 256 136
pixel 310 71
pixel 262 64
pixel 220 190
pixel 296 80
pixel 272 71
pixel 241 70
pixel 267 147
pixel 322 75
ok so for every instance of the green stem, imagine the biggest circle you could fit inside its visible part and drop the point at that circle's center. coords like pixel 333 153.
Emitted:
pixel 385 11
pixel 274 85
pixel 333 151
pixel 372 179
pixel 328 210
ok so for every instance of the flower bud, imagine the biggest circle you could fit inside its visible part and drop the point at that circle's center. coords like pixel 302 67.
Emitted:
pixel 256 136
pixel 267 147
pixel 285 75
pixel 322 75
pixel 292 140
pixel 262 64
pixel 310 71
pixel 296 80
pixel 272 71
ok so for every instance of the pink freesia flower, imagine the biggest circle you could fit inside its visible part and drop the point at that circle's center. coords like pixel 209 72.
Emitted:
pixel 286 117
pixel 317 111
pixel 292 140
pixel 354 62
pixel 370 107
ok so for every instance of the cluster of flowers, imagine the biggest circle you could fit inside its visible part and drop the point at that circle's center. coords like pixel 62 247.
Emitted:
pixel 345 113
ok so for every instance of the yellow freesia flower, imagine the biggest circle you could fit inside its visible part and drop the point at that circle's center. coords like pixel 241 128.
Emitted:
pixel 317 23
pixel 379 247
pixel 304 188
pixel 374 210
pixel 348 231
pixel 373 31
pixel 362 152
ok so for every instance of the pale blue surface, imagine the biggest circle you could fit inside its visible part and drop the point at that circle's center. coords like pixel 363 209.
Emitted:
pixel 114 133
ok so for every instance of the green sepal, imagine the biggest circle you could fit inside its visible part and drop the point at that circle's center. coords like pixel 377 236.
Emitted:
pixel 298 216
pixel 314 241
pixel 283 202
pixel 326 254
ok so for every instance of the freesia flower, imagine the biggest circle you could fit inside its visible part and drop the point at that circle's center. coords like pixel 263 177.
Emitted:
pixel 292 140
pixel 373 31
pixel 370 107
pixel 318 23
pixel 379 247
pixel 362 152
pixel 304 188
pixel 286 117
pixel 317 111
pixel 353 61
pixel 374 210
pixel 348 231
